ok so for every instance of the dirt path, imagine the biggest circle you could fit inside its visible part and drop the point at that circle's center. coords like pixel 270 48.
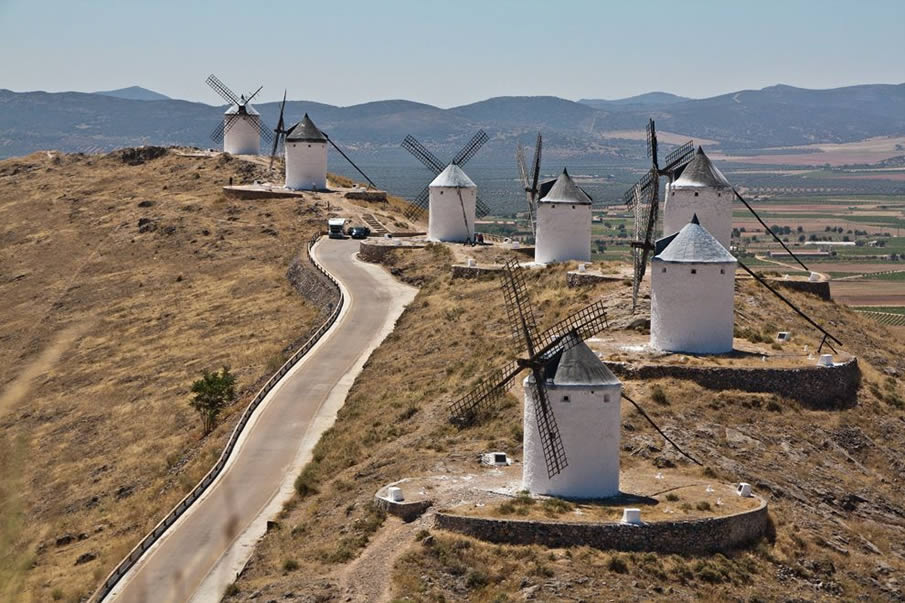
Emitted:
pixel 369 577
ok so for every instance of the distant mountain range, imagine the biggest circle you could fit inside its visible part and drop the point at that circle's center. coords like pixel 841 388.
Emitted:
pixel 744 120
pixel 134 93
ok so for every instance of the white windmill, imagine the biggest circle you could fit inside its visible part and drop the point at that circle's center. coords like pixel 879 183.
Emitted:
pixel 702 190
pixel 563 223
pixel 451 214
pixel 241 129
pixel 306 156
pixel 692 293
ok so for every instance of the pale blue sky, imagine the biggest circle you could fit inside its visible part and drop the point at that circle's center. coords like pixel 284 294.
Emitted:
pixel 448 53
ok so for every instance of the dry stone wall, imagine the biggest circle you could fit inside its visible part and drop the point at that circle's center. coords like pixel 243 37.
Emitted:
pixel 817 387
pixel 693 537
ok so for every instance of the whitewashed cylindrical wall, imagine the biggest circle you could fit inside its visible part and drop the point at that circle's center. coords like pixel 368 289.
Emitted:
pixel 243 137
pixel 306 165
pixel 563 233
pixel 451 214
pixel 712 206
pixel 692 307
pixel 589 422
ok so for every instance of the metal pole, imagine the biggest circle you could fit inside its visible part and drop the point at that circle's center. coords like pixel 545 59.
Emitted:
pixel 787 302
pixel 767 228
pixel 346 157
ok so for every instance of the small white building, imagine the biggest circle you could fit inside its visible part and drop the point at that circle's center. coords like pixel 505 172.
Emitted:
pixel 451 210
pixel 242 130
pixel 563 223
pixel 703 190
pixel 306 157
pixel 692 287
pixel 585 399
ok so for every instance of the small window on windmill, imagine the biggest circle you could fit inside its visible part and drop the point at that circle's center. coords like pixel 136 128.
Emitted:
pixel 722 271
pixel 695 194
pixel 566 399
pixel 573 207
pixel 664 269
pixel 606 398
pixel 694 270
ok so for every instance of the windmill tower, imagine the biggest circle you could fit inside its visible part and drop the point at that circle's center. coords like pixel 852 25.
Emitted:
pixel 305 146
pixel 453 197
pixel 563 223
pixel 692 289
pixel 571 399
pixel 644 199
pixel 586 396
pixel 306 156
pixel 421 202
pixel 241 129
pixel 702 190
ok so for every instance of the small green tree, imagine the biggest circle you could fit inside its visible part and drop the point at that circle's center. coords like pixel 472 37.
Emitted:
pixel 213 392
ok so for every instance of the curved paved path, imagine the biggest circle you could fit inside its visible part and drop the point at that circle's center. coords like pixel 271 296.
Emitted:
pixel 203 551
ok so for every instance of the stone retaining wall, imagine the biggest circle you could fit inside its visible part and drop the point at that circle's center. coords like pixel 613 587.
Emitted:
pixel 818 387
pixel 463 271
pixel 692 537
pixel 378 196
pixel 578 279
pixel 819 288
pixel 407 511
pixel 376 253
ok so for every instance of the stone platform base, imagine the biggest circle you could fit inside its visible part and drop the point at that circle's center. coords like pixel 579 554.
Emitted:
pixel 688 537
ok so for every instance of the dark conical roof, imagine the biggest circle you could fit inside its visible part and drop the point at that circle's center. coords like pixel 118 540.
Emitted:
pixel 692 245
pixel 700 172
pixel 305 131
pixel 564 190
pixel 579 365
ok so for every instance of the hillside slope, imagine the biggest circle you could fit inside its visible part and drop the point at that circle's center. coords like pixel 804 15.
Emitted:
pixel 120 284
pixel 833 478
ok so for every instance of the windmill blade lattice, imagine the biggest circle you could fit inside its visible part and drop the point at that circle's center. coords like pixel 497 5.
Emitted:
pixel 585 323
pixel 411 144
pixel 470 150
pixel 518 307
pixel 551 440
pixel 644 199
pixel 223 90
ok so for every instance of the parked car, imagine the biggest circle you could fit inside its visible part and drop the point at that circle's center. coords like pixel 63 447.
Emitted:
pixel 359 232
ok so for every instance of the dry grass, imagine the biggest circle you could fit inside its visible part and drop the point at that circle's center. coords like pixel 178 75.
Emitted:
pixel 103 330
pixel 809 464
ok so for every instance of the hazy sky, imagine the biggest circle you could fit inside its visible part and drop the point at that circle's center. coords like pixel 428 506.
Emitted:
pixel 448 53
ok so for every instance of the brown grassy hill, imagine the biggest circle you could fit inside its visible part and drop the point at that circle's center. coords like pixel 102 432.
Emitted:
pixel 120 283
pixel 834 479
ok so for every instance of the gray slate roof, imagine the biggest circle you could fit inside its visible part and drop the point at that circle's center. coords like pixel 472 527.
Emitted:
pixel 700 172
pixel 564 190
pixel 579 365
pixel 692 245
pixel 305 131
pixel 453 176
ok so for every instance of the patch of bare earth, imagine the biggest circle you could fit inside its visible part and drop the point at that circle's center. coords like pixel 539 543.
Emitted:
pixel 833 479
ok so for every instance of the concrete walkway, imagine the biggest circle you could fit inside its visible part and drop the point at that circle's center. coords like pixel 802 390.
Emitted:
pixel 203 551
